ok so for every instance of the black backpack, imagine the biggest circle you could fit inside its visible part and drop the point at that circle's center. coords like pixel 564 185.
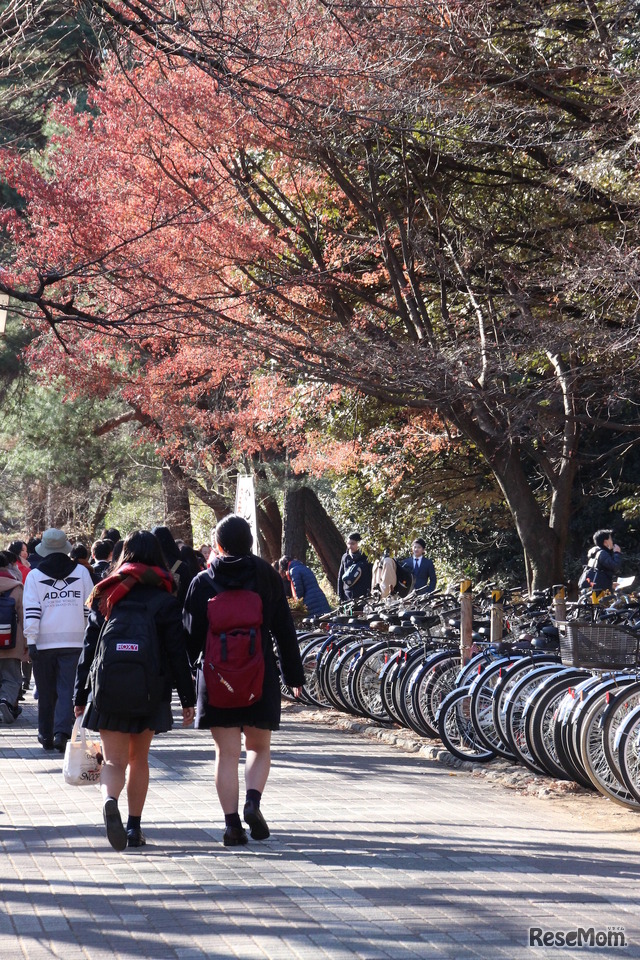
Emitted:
pixel 404 580
pixel 126 675
pixel 8 622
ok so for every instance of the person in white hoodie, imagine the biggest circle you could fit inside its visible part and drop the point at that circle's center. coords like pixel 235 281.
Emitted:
pixel 55 616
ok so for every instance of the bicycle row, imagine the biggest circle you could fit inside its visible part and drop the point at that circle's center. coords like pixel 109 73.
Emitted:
pixel 561 699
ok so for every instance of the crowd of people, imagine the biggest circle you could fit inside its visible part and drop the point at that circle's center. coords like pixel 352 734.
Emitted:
pixel 65 599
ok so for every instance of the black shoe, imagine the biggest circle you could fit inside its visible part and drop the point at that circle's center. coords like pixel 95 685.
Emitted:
pixel 60 742
pixel 116 833
pixel 135 837
pixel 7 712
pixel 21 695
pixel 47 742
pixel 257 823
pixel 235 837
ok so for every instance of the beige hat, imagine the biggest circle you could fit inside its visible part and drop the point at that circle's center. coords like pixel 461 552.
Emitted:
pixel 53 541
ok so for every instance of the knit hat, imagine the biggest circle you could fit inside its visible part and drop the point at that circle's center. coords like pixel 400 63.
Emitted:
pixel 53 541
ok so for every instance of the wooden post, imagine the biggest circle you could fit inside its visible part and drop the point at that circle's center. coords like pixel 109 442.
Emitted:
pixel 559 603
pixel 497 615
pixel 466 621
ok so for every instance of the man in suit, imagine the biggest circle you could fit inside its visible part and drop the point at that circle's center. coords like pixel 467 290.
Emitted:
pixel 422 568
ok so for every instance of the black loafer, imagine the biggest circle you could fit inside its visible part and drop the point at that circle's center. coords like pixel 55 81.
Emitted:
pixel 46 743
pixel 60 742
pixel 135 837
pixel 235 837
pixel 116 833
pixel 257 823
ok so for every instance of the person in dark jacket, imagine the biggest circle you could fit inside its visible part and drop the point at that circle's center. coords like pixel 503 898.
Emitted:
pixel 305 586
pixel 141 576
pixel 605 556
pixel 354 576
pixel 421 567
pixel 234 567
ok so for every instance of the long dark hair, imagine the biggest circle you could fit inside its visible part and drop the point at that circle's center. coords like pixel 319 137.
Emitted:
pixel 141 546
pixel 168 544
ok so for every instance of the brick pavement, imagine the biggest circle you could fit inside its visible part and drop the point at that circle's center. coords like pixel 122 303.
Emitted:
pixel 375 854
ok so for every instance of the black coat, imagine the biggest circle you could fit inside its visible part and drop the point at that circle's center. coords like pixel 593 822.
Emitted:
pixel 362 586
pixel 247 573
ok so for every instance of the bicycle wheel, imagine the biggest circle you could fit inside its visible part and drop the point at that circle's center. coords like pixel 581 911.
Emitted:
pixel 431 684
pixel 594 757
pixel 564 728
pixel 513 713
pixel 456 729
pixel 539 720
pixel 481 691
pixel 309 656
pixel 505 685
pixel 365 680
pixel 619 706
pixel 628 747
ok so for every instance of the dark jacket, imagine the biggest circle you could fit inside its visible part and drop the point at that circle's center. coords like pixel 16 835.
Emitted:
pixel 307 589
pixel 246 573
pixel 424 576
pixel 171 635
pixel 362 586
pixel 607 564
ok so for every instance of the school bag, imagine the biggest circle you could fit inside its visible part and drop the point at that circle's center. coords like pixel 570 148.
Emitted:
pixel 233 663
pixel 404 580
pixel 589 574
pixel 126 675
pixel 351 574
pixel 8 622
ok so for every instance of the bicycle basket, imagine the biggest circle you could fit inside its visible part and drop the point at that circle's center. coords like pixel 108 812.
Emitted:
pixel 598 646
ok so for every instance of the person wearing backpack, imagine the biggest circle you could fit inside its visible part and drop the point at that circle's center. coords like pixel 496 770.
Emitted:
pixel 134 653
pixel 603 562
pixel 13 646
pixel 234 612
pixel 354 575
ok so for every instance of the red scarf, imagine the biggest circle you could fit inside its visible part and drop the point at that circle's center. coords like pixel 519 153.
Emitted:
pixel 115 587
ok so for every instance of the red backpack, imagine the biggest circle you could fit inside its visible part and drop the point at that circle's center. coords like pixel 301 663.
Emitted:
pixel 233 660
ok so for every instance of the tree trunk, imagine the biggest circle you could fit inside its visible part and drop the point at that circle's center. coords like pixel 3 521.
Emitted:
pixel 177 509
pixel 293 533
pixel 270 529
pixel 543 546
pixel 323 535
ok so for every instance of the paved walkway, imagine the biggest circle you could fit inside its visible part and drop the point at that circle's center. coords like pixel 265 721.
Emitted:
pixel 375 854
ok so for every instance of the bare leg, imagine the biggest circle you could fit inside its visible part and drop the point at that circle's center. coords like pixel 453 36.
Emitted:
pixel 228 741
pixel 258 761
pixel 138 781
pixel 115 750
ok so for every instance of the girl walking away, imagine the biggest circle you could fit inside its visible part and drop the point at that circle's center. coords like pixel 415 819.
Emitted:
pixel 240 596
pixel 134 651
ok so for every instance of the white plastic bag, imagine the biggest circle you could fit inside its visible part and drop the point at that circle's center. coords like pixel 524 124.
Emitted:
pixel 82 757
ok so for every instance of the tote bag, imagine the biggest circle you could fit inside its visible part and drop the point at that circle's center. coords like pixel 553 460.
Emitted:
pixel 82 757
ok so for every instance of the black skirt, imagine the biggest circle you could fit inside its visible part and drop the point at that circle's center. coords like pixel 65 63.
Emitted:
pixel 160 722
pixel 265 714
